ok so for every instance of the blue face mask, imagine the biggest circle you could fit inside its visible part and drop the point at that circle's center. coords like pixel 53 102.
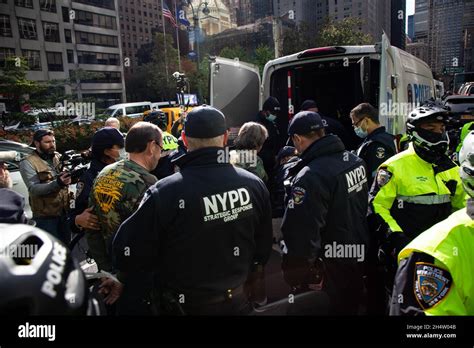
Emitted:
pixel 360 132
pixel 271 117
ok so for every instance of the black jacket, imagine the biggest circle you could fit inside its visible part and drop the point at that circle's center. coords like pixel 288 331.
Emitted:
pixel 83 190
pixel 329 193
pixel 200 230
pixel 278 192
pixel 271 146
pixel 377 147
pixel 326 213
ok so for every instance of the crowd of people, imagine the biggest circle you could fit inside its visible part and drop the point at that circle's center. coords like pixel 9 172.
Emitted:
pixel 187 226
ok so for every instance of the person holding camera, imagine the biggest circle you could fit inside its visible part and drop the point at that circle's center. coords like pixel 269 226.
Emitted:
pixel 105 149
pixel 47 185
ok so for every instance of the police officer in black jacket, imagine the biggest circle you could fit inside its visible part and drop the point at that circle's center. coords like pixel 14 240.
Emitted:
pixel 268 118
pixel 204 231
pixel 324 226
pixel 378 145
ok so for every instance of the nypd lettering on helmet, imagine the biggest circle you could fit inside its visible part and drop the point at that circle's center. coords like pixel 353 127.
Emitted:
pixel 356 179
pixel 227 206
pixel 54 274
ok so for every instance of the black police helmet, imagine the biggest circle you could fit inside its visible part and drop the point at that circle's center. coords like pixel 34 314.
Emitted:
pixel 158 118
pixel 423 138
pixel 38 275
pixel 424 114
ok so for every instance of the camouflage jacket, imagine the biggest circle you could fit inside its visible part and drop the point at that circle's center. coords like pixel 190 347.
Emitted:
pixel 116 194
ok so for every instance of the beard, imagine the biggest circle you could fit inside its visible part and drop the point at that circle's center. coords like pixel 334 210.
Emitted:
pixel 47 151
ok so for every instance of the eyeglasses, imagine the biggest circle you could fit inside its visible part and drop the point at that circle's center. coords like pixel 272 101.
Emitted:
pixel 358 122
pixel 157 143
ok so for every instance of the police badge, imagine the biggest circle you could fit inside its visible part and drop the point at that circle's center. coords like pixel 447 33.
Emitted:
pixel 432 284
pixel 383 177
pixel 299 194
pixel 380 153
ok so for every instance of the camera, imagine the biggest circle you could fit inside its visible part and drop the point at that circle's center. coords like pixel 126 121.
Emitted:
pixel 75 164
pixel 181 81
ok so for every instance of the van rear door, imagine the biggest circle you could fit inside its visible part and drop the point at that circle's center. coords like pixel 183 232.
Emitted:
pixel 235 90
pixel 388 85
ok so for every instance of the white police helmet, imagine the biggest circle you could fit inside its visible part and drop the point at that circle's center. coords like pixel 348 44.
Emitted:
pixel 466 162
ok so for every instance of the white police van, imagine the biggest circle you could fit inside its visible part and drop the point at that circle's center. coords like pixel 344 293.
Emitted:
pixel 337 78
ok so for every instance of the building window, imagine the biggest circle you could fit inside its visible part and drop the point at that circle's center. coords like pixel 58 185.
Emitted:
pixel 5 53
pixel 110 4
pixel 24 3
pixel 104 77
pixel 70 56
pixel 95 20
pixel 33 58
pixel 5 26
pixel 68 35
pixel 85 57
pixel 96 39
pixel 66 17
pixel 51 32
pixel 48 5
pixel 55 61
pixel 27 28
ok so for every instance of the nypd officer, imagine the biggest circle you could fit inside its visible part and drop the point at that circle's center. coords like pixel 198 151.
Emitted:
pixel 170 143
pixel 434 274
pixel 324 226
pixel 419 187
pixel 203 231
pixel 378 145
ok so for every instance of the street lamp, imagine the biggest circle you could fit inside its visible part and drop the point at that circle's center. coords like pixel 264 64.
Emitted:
pixel 196 27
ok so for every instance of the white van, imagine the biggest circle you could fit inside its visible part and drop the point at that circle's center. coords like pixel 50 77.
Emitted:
pixel 337 78
pixel 128 109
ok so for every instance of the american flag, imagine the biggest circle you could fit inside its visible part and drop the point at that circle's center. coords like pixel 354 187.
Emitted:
pixel 167 13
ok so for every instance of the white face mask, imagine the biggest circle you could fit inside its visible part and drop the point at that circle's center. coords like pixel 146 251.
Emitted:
pixel 271 118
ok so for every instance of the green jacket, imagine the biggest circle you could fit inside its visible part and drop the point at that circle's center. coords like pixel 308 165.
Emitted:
pixel 248 160
pixel 116 194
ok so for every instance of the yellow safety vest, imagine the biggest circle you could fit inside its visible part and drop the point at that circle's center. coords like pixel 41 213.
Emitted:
pixel 451 244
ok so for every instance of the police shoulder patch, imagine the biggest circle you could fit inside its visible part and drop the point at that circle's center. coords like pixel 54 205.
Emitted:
pixel 299 195
pixel 380 152
pixel 432 284
pixel 383 177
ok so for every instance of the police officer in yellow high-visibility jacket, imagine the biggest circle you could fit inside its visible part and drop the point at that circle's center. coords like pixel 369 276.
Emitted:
pixel 435 271
pixel 418 187
pixel 170 143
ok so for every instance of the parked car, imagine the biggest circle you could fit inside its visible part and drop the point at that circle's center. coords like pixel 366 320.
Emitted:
pixel 13 167
pixel 467 89
pixel 133 110
pixel 38 119
pixel 461 107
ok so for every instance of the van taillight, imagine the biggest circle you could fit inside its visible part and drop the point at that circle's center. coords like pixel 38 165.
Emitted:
pixel 322 51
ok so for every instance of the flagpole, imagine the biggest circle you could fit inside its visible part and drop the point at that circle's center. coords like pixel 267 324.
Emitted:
pixel 164 38
pixel 177 34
